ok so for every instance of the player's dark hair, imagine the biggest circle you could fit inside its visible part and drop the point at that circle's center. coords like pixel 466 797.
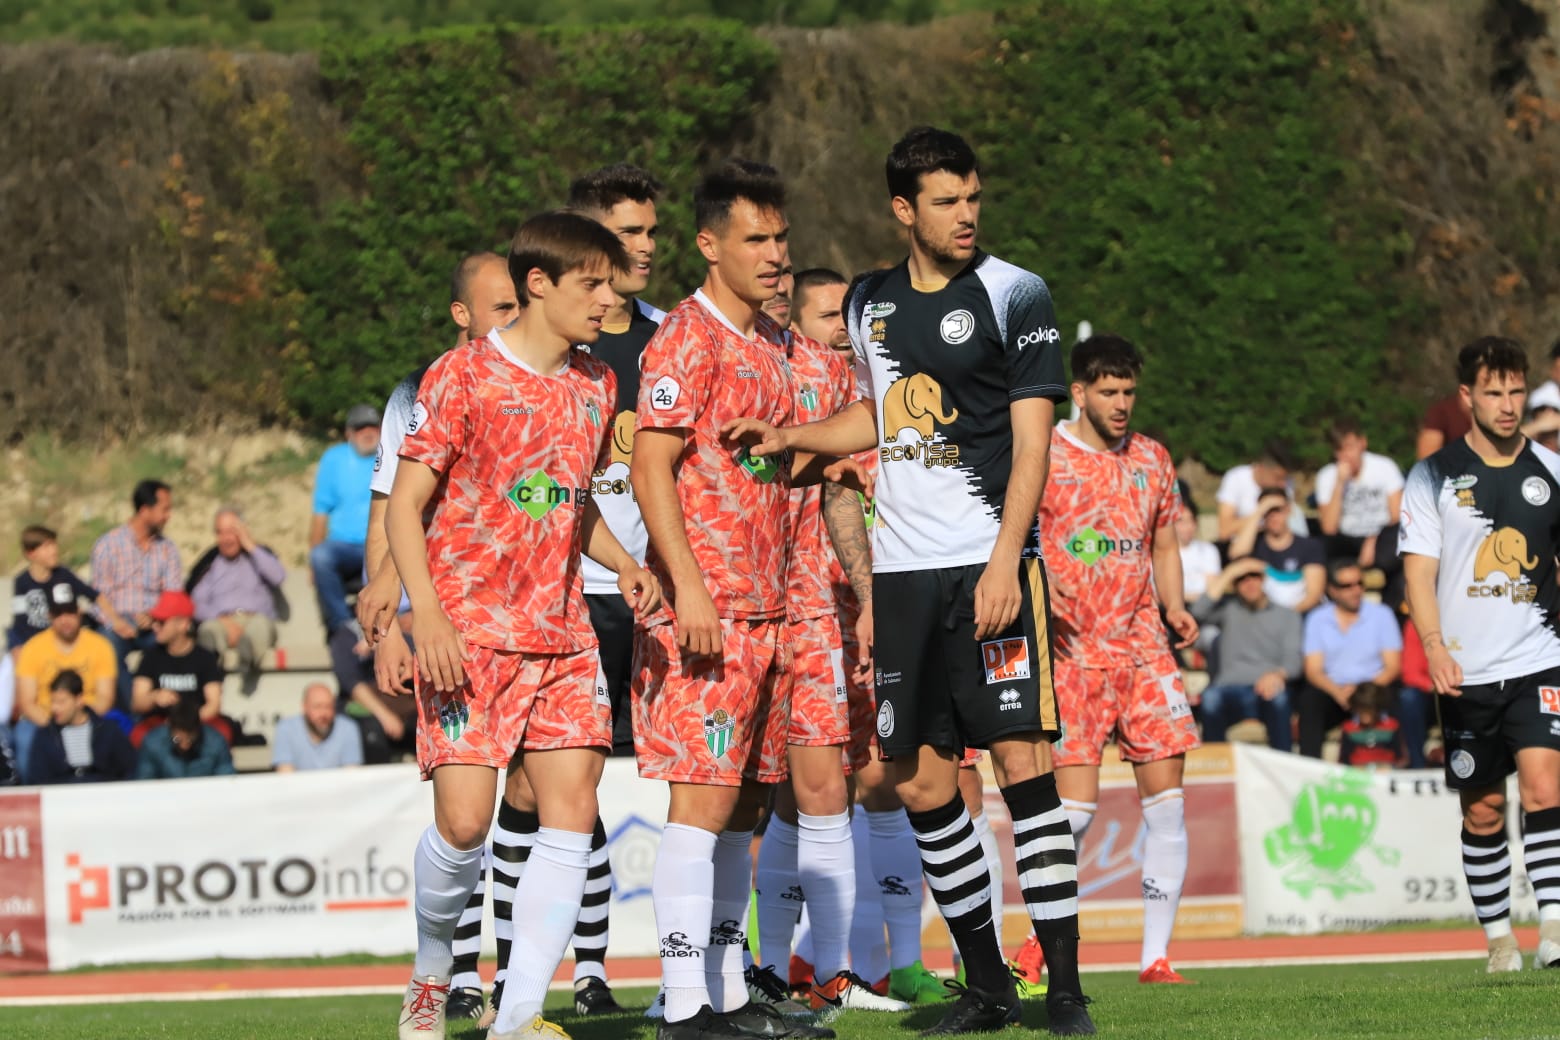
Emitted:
pixel 184 716
pixel 1337 566
pixel 813 278
pixel 1368 696
pixel 559 242
pixel 465 271
pixel 1275 452
pixel 1341 429
pixel 926 149
pixel 69 681
pixel 1554 351
pixel 1496 355
pixel 599 190
pixel 719 189
pixel 145 494
pixel 1105 355
pixel 35 536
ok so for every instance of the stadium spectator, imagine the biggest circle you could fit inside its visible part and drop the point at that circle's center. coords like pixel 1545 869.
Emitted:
pixel 66 645
pixel 1445 421
pixel 1370 736
pixel 340 522
pixel 1296 564
pixel 132 565
pixel 388 723
pixel 1199 559
pixel 184 747
pixel 1348 641
pixel 234 585
pixel 317 739
pixel 1243 487
pixel 77 746
pixel 1414 697
pixel 1552 384
pixel 176 670
pixel 1543 416
pixel 30 588
pixel 1258 654
pixel 9 773
pixel 1357 494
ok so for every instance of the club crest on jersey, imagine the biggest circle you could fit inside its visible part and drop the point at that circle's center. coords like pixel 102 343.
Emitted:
pixel 593 413
pixel 878 310
pixel 453 719
pixel 1140 480
pixel 718 725
pixel 1535 491
pixel 809 398
pixel 885 719
pixel 956 327
pixel 1461 764
pixel 1005 659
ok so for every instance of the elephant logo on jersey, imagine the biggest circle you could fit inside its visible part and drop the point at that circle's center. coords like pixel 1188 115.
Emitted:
pixel 1504 551
pixel 916 403
pixel 623 437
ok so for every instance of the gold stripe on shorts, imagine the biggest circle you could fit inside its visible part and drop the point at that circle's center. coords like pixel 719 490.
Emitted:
pixel 1050 719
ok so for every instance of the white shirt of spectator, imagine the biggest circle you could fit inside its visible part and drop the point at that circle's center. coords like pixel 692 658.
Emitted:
pixel 1199 562
pixel 1364 497
pixel 1239 489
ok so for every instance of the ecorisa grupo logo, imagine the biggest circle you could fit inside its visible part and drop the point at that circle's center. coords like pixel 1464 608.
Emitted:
pixel 221 888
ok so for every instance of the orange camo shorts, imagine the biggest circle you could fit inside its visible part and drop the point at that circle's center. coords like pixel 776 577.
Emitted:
pixel 513 700
pixel 815 679
pixel 1142 706
pixel 863 707
pixel 702 720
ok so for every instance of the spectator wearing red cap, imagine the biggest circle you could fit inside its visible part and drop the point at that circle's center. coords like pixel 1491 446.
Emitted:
pixel 176 669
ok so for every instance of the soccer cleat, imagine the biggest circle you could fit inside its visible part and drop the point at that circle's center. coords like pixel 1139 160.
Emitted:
pixel 757 1019
pixel 1548 955
pixel 1068 1015
pixel 422 1009
pixel 764 987
pixel 849 991
pixel 657 1008
pixel 706 1023
pixel 1505 955
pixel 915 984
pixel 977 1012
pixel 1029 961
pixel 465 1002
pixel 880 987
pixel 1160 971
pixel 537 1027
pixel 800 975
pixel 594 997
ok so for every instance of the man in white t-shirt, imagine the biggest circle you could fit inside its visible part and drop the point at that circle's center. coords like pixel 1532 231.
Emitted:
pixel 1357 494
pixel 1243 486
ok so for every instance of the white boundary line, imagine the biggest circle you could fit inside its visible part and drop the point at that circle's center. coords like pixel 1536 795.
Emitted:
pixel 292 992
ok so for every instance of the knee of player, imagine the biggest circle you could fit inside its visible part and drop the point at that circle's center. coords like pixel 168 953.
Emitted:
pixel 1539 792
pixel 1015 761
pixel 464 827
pixel 1486 814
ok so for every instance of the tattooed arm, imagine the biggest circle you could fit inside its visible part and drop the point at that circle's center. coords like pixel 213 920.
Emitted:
pixel 848 531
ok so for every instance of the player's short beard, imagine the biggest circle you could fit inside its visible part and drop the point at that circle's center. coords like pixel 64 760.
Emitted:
pixel 1491 434
pixel 1100 423
pixel 940 253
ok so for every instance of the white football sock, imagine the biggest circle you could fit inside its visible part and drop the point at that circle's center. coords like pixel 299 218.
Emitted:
pixel 728 920
pixel 988 848
pixel 896 863
pixel 1079 816
pixel 444 876
pixel 680 891
pixel 801 946
pixel 868 942
pixel 779 894
pixel 826 864
pixel 550 892
pixel 1164 870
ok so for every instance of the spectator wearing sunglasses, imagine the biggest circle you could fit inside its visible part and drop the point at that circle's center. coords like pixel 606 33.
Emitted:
pixel 1348 641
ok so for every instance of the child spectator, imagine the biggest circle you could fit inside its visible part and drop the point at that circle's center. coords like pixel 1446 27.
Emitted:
pixel 30 589
pixel 1371 737
pixel 184 747
pixel 78 746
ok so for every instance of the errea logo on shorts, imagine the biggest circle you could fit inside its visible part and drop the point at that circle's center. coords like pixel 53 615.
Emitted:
pixel 1005 660
pixel 1010 700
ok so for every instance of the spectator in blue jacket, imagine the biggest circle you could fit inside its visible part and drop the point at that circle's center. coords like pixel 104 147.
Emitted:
pixel 184 747
pixel 77 746
pixel 340 522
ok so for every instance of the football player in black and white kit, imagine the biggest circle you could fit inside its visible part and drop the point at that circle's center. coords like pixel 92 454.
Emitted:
pixel 958 357
pixel 1480 530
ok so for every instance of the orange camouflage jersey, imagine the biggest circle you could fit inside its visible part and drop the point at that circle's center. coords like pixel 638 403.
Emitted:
pixel 824 384
pixel 698 373
pixel 514 450
pixel 1098 518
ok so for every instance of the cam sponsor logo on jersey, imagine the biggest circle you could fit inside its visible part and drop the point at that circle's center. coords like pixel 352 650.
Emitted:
pixel 1504 553
pixel 1005 659
pixel 1089 547
pixel 539 494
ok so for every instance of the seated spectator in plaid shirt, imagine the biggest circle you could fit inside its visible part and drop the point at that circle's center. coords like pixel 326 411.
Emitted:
pixel 132 565
pixel 234 586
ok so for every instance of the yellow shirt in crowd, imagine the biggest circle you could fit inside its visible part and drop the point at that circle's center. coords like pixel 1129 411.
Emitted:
pixel 42 658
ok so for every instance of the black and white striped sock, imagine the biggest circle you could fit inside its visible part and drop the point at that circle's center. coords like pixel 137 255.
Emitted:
pixel 1541 856
pixel 513 836
pixel 1487 866
pixel 590 931
pixel 1047 861
pixel 957 874
pixel 468 934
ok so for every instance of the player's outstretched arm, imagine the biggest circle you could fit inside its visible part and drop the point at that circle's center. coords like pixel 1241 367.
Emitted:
pixel 848 531
pixel 846 432
pixel 440 648
pixel 639 587
pixel 1419 576
pixel 653 476
pixel 997 595
pixel 1168 586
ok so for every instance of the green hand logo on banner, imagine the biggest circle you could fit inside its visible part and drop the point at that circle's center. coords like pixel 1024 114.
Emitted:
pixel 1331 825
